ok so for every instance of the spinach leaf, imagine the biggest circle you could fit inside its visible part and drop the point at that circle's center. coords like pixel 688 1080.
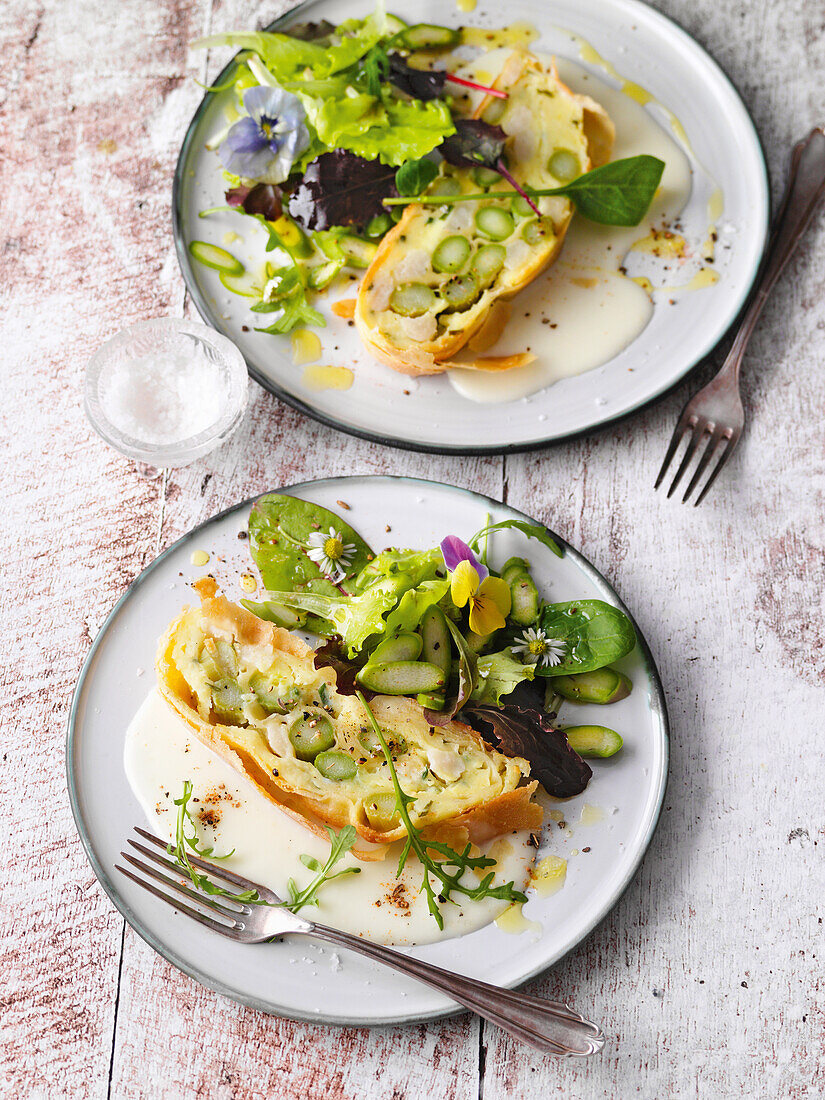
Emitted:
pixel 597 634
pixel 499 674
pixel 618 193
pixel 415 176
pixel 279 530
pixel 531 530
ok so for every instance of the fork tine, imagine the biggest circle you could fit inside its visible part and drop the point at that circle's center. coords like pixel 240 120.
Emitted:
pixel 214 925
pixel 731 442
pixel 675 440
pixel 699 430
pixel 174 884
pixel 196 861
pixel 714 441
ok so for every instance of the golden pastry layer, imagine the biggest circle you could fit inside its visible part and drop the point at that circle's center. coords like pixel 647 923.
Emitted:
pixel 250 691
pixel 437 275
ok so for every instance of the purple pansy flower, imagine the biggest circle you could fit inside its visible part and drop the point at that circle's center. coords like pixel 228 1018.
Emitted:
pixel 454 551
pixel 264 145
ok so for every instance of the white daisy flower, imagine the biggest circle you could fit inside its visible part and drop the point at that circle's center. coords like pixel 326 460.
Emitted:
pixel 331 553
pixel 535 648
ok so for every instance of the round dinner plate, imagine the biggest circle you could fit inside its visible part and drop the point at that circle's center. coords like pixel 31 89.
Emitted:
pixel 603 847
pixel 427 413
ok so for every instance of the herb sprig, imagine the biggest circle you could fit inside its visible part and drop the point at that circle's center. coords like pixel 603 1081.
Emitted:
pixel 618 193
pixel 340 843
pixel 450 881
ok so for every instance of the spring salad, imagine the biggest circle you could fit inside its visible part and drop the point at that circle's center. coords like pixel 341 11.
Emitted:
pixel 469 640
pixel 333 132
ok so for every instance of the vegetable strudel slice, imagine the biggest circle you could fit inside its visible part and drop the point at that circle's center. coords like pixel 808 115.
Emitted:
pixel 250 691
pixel 438 274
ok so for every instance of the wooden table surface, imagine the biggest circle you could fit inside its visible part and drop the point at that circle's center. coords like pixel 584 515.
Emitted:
pixel 707 975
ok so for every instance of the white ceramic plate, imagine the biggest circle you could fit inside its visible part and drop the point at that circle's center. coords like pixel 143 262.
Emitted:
pixel 649 50
pixel 290 978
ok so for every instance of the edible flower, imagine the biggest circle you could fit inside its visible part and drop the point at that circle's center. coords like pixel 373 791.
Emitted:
pixel 331 553
pixel 264 144
pixel 535 648
pixel 471 583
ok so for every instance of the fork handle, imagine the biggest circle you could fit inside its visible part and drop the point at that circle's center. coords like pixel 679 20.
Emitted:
pixel 546 1025
pixel 805 187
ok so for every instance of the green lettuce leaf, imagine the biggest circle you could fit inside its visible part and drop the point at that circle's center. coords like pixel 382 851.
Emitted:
pixel 411 131
pixel 413 604
pixel 499 674
pixel 355 618
pixel 417 565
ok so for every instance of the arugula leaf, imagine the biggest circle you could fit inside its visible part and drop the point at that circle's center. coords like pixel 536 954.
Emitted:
pixel 374 68
pixel 597 634
pixel 279 530
pixel 415 176
pixel 450 881
pixel 531 530
pixel 295 312
pixel 191 840
pixel 340 843
pixel 618 193
pixel 498 674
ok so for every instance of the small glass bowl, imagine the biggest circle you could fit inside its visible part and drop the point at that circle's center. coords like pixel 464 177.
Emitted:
pixel 171 336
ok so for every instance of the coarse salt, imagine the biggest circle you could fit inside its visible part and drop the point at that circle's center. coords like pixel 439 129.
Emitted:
pixel 166 398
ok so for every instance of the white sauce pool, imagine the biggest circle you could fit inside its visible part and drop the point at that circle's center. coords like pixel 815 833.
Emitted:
pixel 161 752
pixel 595 311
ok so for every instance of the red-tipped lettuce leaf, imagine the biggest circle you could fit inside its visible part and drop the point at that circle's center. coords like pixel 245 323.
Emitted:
pixel 528 732
pixel 263 199
pixel 418 83
pixel 474 142
pixel 341 188
pixel 333 654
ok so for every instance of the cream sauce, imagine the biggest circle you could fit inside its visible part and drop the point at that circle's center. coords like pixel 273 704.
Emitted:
pixel 584 311
pixel 161 752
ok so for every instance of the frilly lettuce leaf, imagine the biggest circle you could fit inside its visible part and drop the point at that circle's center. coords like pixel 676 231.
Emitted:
pixel 413 604
pixel 288 57
pixel 498 674
pixel 416 565
pixel 412 130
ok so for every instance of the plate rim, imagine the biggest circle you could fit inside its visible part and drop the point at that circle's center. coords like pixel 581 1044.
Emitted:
pixel 209 316
pixel 658 708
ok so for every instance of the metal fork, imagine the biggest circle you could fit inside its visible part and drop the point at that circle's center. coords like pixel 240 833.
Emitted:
pixel 548 1026
pixel 716 411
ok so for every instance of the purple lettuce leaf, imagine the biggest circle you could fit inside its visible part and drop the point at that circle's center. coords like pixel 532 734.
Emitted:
pixel 528 732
